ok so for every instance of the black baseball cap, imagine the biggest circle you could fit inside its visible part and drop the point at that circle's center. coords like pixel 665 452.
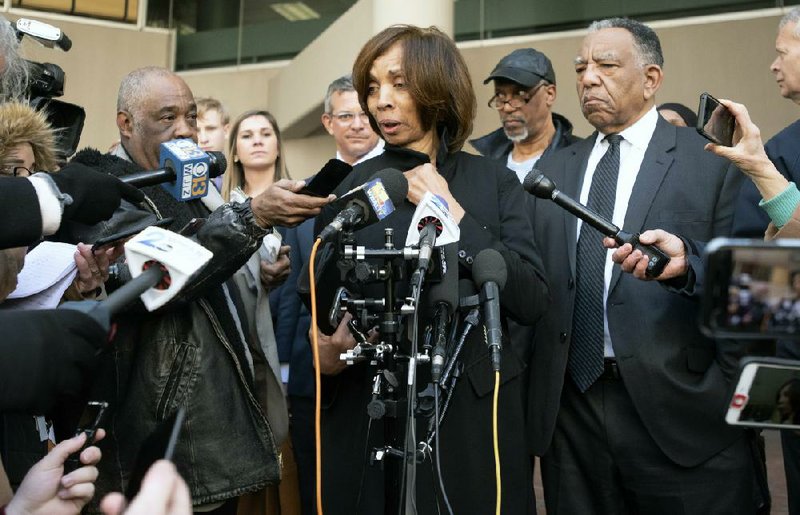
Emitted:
pixel 525 66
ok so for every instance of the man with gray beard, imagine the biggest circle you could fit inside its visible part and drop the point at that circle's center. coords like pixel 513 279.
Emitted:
pixel 524 93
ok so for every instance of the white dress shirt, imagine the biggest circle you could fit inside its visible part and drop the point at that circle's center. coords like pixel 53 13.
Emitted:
pixel 632 149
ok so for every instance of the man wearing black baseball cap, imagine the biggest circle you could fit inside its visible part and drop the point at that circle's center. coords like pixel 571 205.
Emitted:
pixel 524 93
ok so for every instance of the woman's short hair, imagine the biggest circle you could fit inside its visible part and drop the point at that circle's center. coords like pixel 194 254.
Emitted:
pixel 234 176
pixel 436 76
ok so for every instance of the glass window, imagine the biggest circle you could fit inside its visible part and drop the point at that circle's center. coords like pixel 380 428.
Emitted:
pixel 482 19
pixel 117 10
pixel 226 32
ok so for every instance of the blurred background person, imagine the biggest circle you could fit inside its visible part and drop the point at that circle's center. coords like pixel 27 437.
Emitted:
pixel 346 121
pixel 213 126
pixel 13 68
pixel 787 402
pixel 256 160
pixel 678 114
pixel 524 94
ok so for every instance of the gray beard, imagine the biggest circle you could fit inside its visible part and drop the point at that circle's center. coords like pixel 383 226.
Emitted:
pixel 522 136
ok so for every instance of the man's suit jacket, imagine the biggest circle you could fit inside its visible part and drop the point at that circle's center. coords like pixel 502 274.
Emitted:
pixel 676 377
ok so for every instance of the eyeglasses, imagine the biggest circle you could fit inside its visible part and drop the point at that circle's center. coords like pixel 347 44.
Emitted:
pixel 346 118
pixel 17 171
pixel 517 100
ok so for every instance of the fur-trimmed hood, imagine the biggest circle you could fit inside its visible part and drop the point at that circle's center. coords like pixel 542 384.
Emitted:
pixel 20 123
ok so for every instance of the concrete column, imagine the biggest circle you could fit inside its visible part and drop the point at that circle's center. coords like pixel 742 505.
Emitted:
pixel 423 13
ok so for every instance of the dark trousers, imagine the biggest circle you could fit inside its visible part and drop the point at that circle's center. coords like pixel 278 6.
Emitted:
pixel 603 461
pixel 301 429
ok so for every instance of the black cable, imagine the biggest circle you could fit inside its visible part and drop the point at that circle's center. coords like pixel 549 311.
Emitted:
pixel 438 459
pixel 409 445
pixel 364 468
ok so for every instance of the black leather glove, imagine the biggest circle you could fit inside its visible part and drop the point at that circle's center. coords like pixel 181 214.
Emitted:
pixel 95 195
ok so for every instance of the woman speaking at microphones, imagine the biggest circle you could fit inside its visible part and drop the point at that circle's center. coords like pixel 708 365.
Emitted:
pixel 416 89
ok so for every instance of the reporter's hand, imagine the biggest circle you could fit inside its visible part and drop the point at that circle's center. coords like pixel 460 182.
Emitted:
pixel 45 490
pixel 95 195
pixel 275 274
pixel 635 262
pixel 92 266
pixel 425 178
pixel 748 154
pixel 163 492
pixel 281 204
pixel 330 347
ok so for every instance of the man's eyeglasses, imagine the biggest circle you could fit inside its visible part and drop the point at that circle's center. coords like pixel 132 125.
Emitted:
pixel 346 118
pixel 16 171
pixel 517 100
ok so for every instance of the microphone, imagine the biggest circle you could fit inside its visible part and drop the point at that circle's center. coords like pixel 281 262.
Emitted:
pixel 441 302
pixel 434 227
pixel 369 203
pixel 185 170
pixel 539 185
pixel 161 263
pixel 489 272
pixel 44 33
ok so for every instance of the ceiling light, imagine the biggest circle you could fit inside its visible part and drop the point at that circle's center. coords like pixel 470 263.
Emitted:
pixel 295 11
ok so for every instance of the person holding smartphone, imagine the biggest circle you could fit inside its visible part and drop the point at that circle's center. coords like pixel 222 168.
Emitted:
pixel 780 199
pixel 46 490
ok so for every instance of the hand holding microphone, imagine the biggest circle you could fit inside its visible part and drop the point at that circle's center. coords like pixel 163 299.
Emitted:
pixel 94 196
pixel 185 170
pixel 369 203
pixel 633 261
pixel 539 185
pixel 161 263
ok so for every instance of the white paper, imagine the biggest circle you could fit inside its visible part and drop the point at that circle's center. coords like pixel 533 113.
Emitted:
pixel 49 270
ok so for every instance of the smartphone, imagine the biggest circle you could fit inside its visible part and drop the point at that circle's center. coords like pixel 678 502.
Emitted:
pixel 327 179
pixel 113 239
pixel 767 394
pixel 714 121
pixel 91 419
pixel 752 289
pixel 160 444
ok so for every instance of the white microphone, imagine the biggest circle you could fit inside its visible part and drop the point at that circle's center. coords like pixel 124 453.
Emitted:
pixel 177 256
pixel 431 226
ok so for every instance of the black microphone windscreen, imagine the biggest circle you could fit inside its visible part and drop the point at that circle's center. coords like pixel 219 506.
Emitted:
pixel 489 265
pixel 446 290
pixel 217 163
pixel 394 182
pixel 538 184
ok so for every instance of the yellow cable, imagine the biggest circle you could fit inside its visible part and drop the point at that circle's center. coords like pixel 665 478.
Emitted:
pixel 317 379
pixel 496 442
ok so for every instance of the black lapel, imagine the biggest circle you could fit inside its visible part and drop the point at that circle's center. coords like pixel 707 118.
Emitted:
pixel 570 184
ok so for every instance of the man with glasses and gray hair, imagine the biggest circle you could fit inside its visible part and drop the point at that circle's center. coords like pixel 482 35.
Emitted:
pixel 524 93
pixel 346 121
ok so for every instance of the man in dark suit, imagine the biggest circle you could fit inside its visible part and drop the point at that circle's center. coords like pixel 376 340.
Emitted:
pixel 627 396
